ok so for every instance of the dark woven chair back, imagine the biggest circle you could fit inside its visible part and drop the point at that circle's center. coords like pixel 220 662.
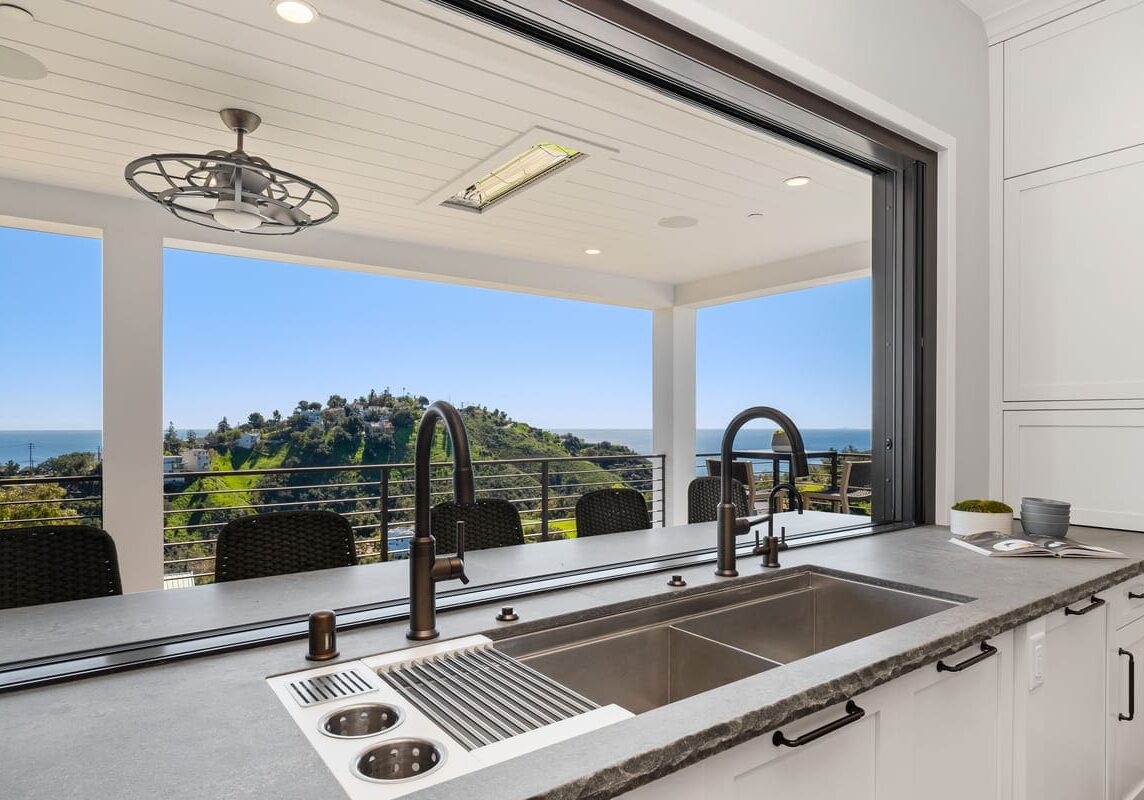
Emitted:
pixel 611 511
pixel 55 563
pixel 861 475
pixel 488 523
pixel 283 542
pixel 703 495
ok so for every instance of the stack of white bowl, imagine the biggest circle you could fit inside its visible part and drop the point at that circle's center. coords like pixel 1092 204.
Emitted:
pixel 1045 517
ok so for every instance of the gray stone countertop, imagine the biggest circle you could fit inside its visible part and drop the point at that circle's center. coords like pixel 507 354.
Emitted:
pixel 210 727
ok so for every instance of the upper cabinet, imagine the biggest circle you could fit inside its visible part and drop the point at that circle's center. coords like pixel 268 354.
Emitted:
pixel 1072 87
pixel 1073 281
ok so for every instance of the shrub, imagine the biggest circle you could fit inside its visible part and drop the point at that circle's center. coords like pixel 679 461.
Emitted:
pixel 983 507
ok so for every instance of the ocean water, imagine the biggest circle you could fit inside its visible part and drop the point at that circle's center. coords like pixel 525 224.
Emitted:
pixel 46 444
pixel 708 440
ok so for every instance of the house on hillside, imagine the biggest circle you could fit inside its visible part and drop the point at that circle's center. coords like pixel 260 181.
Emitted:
pixel 247 440
pixel 196 460
pixel 172 465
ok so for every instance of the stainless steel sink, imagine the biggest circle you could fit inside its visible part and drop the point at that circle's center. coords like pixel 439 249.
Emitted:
pixel 652 656
pixel 647 668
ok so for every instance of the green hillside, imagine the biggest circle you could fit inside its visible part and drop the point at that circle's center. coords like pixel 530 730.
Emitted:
pixel 372 430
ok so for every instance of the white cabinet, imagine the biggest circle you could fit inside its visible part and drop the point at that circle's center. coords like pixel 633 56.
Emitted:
pixel 1034 715
pixel 959 725
pixel 1072 280
pixel 1126 727
pixel 1060 748
pixel 1089 456
pixel 1072 87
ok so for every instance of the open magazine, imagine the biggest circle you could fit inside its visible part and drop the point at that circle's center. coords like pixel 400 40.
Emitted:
pixel 995 543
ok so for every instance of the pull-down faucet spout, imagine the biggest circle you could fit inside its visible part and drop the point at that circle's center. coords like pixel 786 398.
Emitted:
pixel 727 525
pixel 425 568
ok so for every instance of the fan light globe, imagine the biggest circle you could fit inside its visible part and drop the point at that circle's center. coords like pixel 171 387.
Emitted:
pixel 236 216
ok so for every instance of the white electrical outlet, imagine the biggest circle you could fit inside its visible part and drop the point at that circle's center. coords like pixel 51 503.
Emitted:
pixel 1036 660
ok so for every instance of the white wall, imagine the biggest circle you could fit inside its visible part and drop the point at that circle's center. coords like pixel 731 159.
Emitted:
pixel 919 67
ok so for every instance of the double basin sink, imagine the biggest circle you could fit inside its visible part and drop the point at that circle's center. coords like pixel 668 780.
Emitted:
pixel 649 657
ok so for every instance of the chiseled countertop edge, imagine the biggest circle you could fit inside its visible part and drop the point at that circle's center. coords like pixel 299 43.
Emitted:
pixel 532 776
pixel 210 726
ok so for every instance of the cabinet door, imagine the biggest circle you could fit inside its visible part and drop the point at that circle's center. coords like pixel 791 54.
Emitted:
pixel 1126 736
pixel 1072 280
pixel 960 724
pixel 1071 87
pixel 1061 751
pixel 1047 454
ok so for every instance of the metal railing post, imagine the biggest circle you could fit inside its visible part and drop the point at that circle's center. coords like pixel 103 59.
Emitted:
pixel 384 493
pixel 833 468
pixel 544 500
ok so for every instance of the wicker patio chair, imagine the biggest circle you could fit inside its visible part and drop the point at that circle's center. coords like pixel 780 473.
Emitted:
pixel 55 563
pixel 488 523
pixel 611 511
pixel 703 495
pixel 283 542
pixel 855 485
pixel 742 471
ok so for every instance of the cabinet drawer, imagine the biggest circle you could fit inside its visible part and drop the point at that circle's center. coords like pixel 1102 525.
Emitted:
pixel 1129 609
pixel 1072 87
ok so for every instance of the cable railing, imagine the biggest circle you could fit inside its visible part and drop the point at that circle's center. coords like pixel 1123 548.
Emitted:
pixel 771 467
pixel 51 500
pixel 377 499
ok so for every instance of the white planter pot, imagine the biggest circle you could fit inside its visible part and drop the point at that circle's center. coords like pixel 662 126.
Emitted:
pixel 966 522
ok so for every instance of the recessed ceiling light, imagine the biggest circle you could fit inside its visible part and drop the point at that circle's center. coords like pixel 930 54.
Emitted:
pixel 592 251
pixel 21 66
pixel 297 11
pixel 519 171
pixel 678 222
pixel 797 180
pixel 10 12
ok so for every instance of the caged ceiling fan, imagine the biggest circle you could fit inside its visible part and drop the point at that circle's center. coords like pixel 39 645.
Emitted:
pixel 232 191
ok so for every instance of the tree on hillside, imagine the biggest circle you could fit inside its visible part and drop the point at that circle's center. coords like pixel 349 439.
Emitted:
pixel 256 420
pixel 172 444
pixel 43 512
pixel 336 401
pixel 223 426
pixel 11 469
pixel 192 439
pixel 70 464
pixel 276 417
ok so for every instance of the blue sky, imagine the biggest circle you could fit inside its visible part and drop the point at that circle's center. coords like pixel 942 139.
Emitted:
pixel 244 335
pixel 50 349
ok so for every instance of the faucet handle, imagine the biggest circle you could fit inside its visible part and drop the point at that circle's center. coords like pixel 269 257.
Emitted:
pixel 459 559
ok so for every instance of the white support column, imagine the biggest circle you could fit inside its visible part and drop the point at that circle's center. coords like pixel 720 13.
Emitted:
pixel 133 401
pixel 673 403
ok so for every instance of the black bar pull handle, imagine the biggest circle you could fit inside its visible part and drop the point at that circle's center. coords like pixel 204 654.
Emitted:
pixel 1131 715
pixel 1093 605
pixel 853 714
pixel 1134 596
pixel 987 650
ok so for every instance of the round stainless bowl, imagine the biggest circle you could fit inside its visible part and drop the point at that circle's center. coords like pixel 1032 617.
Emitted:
pixel 399 760
pixel 364 719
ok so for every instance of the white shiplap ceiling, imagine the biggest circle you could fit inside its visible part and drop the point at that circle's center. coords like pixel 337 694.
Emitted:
pixel 385 103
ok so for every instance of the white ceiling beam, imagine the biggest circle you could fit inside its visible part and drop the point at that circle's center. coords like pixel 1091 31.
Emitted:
pixel 802 272
pixel 327 247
